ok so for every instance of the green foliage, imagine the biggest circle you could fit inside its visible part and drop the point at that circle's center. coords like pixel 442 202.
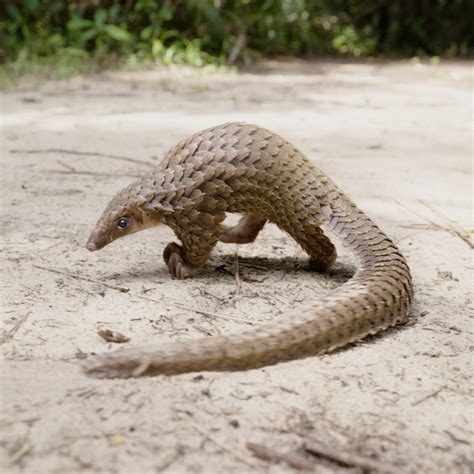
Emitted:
pixel 200 32
pixel 98 30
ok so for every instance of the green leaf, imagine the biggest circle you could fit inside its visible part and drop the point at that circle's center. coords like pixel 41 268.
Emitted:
pixel 145 34
pixel 166 14
pixel 78 24
pixel 31 5
pixel 116 32
pixel 100 16
pixel 157 48
pixel 214 24
pixel 13 11
pixel 113 13
pixel 76 52
pixel 89 34
pixel 170 34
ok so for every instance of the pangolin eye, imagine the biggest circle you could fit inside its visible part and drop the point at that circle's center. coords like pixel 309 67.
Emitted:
pixel 122 223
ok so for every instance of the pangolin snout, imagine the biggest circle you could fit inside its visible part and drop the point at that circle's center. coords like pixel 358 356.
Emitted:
pixel 95 242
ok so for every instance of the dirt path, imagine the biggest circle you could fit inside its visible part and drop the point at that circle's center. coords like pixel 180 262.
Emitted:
pixel 394 136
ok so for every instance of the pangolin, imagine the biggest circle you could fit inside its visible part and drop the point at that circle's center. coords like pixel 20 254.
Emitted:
pixel 246 169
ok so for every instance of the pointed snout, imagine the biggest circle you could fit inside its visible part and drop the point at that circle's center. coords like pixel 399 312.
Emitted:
pixel 95 241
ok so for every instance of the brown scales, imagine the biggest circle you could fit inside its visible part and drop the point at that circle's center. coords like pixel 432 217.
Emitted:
pixel 249 170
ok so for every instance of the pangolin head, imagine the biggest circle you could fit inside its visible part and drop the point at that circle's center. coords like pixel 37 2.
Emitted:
pixel 124 215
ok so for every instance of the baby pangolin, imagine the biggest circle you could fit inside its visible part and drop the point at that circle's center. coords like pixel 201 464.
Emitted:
pixel 246 169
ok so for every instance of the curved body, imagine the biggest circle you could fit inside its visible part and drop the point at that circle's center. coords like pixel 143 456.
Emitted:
pixel 246 169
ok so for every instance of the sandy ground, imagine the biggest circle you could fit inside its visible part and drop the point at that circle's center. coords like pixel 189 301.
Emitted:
pixel 395 136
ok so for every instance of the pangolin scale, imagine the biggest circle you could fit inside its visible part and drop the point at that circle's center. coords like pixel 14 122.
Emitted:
pixel 246 169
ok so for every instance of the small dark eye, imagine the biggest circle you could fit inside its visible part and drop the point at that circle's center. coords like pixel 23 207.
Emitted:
pixel 122 223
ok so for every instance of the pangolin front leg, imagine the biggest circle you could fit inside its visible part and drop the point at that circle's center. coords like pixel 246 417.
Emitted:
pixel 187 260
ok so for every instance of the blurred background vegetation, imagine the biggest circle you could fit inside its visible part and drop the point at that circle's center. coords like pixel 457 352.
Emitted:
pixel 75 36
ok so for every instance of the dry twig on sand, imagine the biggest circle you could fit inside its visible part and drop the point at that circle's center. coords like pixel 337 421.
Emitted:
pixel 215 315
pixel 80 277
pixel 71 170
pixel 112 336
pixel 65 151
pixel 7 335
pixel 199 311
pixel 317 448
pixel 224 446
pixel 23 448
pixel 426 397
pixel 237 280
pixel 294 460
pixel 450 225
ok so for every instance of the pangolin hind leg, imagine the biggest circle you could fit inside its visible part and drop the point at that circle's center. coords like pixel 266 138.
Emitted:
pixel 309 235
pixel 315 243
pixel 245 231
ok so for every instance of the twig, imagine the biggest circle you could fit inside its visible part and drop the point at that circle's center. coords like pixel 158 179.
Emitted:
pixel 294 460
pixel 199 311
pixel 426 397
pixel 237 280
pixel 7 335
pixel 256 266
pixel 126 290
pixel 456 438
pixel 22 451
pixel 240 456
pixel 214 315
pixel 432 223
pixel 204 292
pixel 83 153
pixel 67 442
pixel 252 279
pixel 112 336
pixel 453 226
pixel 420 226
pixel 148 299
pixel 67 166
pixel 352 460
pixel 202 330
pixel 80 277
pixel 71 170
pixel 92 173
pixel 169 460
pixel 19 420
